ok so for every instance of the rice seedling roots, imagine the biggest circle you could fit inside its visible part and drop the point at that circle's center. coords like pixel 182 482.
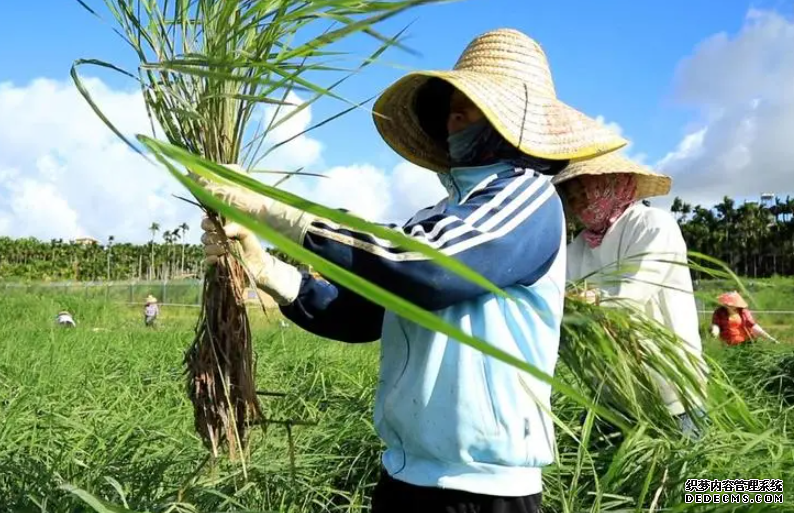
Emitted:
pixel 220 367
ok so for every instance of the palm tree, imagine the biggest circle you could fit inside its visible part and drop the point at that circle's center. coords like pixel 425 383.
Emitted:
pixel 172 259
pixel 111 238
pixel 154 228
pixel 168 238
pixel 681 209
pixel 185 228
pixel 675 208
pixel 752 226
pixel 686 210
pixel 727 212
pixel 788 211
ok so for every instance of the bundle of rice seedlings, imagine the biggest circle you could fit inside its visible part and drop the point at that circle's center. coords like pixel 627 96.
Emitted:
pixel 644 463
pixel 206 68
pixel 618 355
pixel 613 353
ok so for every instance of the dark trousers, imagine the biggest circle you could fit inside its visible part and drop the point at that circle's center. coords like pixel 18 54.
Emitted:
pixel 393 496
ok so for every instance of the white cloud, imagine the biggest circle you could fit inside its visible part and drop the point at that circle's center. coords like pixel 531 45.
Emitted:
pixel 301 151
pixel 29 196
pixel 743 86
pixel 373 193
pixel 63 174
pixel 73 177
pixel 615 127
pixel 414 188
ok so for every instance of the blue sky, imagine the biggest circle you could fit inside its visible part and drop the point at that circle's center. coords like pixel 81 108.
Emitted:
pixel 615 58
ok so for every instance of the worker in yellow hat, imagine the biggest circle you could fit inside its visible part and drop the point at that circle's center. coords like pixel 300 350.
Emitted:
pixel 635 255
pixel 65 319
pixel 150 311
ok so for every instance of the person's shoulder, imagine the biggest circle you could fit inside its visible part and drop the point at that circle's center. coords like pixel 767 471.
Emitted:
pixel 423 214
pixel 645 217
pixel 651 215
pixel 577 243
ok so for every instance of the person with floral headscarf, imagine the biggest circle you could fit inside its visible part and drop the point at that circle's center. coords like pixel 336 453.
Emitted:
pixel 631 253
pixel 733 323
pixel 462 431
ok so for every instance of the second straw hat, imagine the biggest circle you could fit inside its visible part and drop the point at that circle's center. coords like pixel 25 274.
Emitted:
pixel 649 183
pixel 506 75
pixel 732 299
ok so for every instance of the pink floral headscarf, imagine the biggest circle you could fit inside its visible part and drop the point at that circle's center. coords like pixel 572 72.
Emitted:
pixel 608 197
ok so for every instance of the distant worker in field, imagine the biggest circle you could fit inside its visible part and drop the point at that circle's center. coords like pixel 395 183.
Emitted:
pixel 65 320
pixel 463 431
pixel 632 252
pixel 733 322
pixel 150 311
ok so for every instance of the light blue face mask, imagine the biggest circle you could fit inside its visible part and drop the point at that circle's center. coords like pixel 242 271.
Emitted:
pixel 480 144
pixel 462 144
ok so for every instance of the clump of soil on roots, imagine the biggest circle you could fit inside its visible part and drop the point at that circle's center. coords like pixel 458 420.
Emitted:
pixel 220 367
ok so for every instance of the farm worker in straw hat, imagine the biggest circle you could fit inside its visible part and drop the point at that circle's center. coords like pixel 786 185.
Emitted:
pixel 462 431
pixel 150 310
pixel 64 319
pixel 733 323
pixel 632 253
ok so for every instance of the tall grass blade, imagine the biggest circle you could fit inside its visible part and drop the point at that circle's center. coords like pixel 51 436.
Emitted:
pixel 212 171
pixel 98 505
pixel 350 281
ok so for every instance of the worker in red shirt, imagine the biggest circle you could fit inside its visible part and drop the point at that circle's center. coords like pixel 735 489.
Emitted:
pixel 733 323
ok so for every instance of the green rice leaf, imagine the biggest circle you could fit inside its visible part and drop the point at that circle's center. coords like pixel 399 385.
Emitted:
pixel 349 280
pixel 211 171
pixel 98 505
pixel 86 94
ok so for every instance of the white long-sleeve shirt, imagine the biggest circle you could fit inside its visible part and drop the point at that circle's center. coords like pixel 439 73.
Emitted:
pixel 627 266
pixel 66 319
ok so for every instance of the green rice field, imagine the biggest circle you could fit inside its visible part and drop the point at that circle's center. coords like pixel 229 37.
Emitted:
pixel 97 419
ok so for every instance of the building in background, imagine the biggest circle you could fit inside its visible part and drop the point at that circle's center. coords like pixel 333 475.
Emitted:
pixel 86 241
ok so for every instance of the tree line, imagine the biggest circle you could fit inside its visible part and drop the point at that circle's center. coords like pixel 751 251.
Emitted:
pixel 30 259
pixel 755 238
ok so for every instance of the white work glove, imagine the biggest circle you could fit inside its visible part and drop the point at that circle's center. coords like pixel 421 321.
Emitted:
pixel 280 280
pixel 590 296
pixel 287 220
pixel 715 331
pixel 761 332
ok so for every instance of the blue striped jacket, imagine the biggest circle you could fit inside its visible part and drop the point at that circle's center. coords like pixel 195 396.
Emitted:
pixel 450 416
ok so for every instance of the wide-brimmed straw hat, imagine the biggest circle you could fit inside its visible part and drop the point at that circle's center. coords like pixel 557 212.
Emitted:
pixel 732 299
pixel 151 299
pixel 649 183
pixel 507 76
